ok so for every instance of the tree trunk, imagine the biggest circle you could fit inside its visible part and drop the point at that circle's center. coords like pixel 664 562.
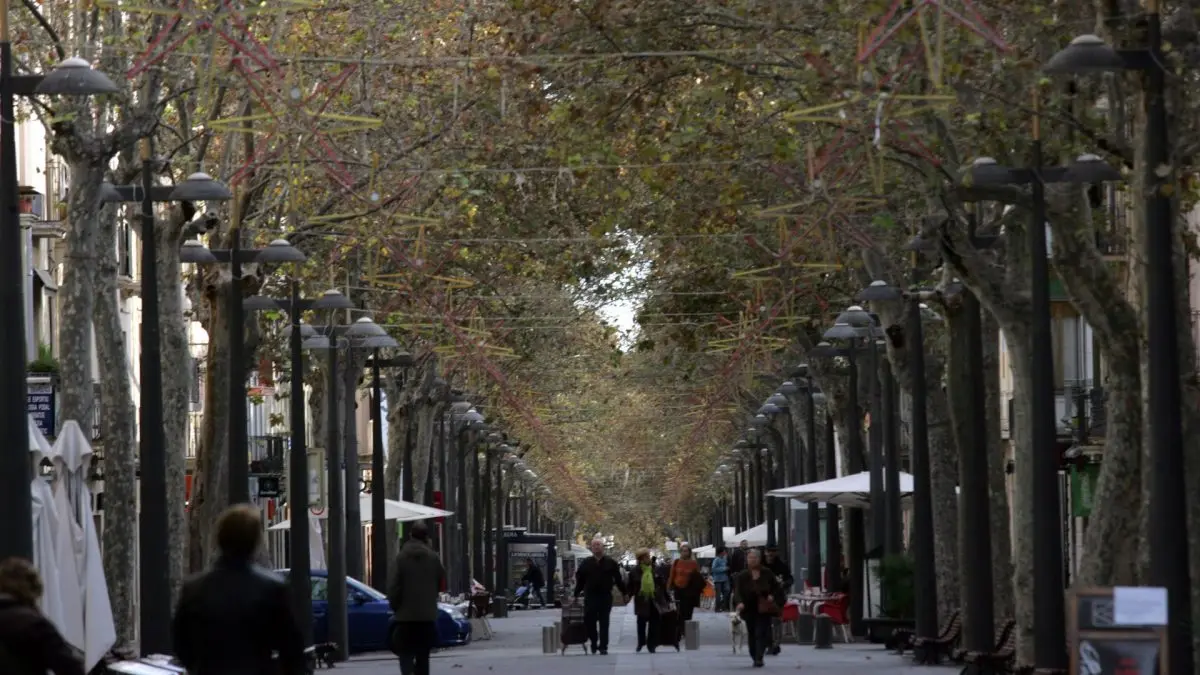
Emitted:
pixel 997 452
pixel 210 484
pixel 119 431
pixel 78 295
pixel 1019 343
pixel 176 363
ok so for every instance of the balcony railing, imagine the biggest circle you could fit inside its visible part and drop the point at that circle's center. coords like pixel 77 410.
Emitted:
pixel 1068 402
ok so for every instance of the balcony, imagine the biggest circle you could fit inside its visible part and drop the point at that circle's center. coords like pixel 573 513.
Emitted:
pixel 1067 402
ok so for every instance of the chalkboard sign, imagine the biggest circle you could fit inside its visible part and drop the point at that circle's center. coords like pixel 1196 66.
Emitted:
pixel 39 403
pixel 1117 632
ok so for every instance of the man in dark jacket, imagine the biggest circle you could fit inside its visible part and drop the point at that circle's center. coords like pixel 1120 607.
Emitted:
pixel 232 618
pixel 413 587
pixel 737 560
pixel 536 582
pixel 783 573
pixel 594 580
pixel 29 643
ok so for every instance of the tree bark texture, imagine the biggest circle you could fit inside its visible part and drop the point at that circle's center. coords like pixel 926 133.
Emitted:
pixel 943 459
pixel 210 480
pixel 176 364
pixel 119 432
pixel 78 295
pixel 1110 544
pixel 999 513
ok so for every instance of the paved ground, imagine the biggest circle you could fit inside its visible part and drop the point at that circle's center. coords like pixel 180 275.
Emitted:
pixel 517 648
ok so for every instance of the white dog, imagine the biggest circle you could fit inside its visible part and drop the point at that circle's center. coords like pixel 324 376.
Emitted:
pixel 737 631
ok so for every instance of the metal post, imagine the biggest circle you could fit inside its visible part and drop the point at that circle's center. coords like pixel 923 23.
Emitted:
pixel 339 629
pixel 810 469
pixel 737 495
pixel 975 540
pixel 16 471
pixel 462 443
pixel 894 537
pixel 443 479
pixel 924 579
pixel 297 492
pixel 1169 553
pixel 239 460
pixel 476 515
pixel 833 536
pixel 354 533
pixel 855 532
pixel 379 534
pixel 488 534
pixel 153 561
pixel 1049 611
pixel 499 586
pixel 760 515
pixel 769 469
pixel 875 447
pixel 783 507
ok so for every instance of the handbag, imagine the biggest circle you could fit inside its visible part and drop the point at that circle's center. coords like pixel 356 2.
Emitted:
pixel 767 606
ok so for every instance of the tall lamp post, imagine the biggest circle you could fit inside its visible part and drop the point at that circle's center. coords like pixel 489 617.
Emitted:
pixel 153 529
pixel 332 338
pixel 810 392
pixel 1169 555
pixel 278 251
pixel 299 576
pixel 1050 639
pixel 379 533
pixel 73 77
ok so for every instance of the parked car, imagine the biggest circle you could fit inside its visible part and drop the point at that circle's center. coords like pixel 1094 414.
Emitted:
pixel 369 613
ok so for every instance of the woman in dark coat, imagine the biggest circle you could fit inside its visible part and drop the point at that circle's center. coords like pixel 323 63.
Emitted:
pixel 29 643
pixel 758 595
pixel 647 599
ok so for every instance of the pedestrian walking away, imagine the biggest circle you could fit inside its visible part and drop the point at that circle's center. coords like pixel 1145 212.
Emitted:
pixel 535 581
pixel 758 596
pixel 737 560
pixel 649 593
pixel 594 580
pixel 413 585
pixel 687 584
pixel 29 642
pixel 720 578
pixel 783 574
pixel 236 616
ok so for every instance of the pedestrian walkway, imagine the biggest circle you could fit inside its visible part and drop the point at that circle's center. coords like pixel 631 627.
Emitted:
pixel 517 648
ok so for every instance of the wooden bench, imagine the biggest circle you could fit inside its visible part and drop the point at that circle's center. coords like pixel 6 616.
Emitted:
pixel 929 651
pixel 1000 659
pixel 903 638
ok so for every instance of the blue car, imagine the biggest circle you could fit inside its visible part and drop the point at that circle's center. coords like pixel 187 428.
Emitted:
pixel 369 614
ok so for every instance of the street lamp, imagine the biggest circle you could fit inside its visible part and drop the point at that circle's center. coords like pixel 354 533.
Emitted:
pixel 345 530
pixel 73 77
pixel 379 533
pixel 278 251
pixel 1048 600
pixel 1169 554
pixel 297 491
pixel 813 540
pixel 153 529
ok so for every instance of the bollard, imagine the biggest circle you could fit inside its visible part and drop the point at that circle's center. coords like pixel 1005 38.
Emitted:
pixel 804 629
pixel 691 635
pixel 499 606
pixel 549 644
pixel 822 632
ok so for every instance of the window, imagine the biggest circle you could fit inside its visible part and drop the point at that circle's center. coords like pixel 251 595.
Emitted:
pixel 124 250
pixel 320 589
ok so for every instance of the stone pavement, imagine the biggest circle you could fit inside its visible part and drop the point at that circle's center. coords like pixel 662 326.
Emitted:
pixel 517 648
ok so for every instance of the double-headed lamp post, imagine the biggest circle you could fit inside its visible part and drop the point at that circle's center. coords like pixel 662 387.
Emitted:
pixel 297 491
pixel 379 533
pixel 73 77
pixel 153 528
pixel 278 251
pixel 1169 555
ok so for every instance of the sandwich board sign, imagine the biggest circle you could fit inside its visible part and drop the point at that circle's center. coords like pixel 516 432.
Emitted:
pixel 1118 631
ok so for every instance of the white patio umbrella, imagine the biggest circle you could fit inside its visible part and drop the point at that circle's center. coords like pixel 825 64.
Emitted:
pixel 853 490
pixel 73 457
pixel 755 536
pixel 404 512
pixel 316 544
pixel 45 525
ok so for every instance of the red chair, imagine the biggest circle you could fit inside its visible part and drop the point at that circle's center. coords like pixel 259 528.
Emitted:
pixel 788 619
pixel 838 611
